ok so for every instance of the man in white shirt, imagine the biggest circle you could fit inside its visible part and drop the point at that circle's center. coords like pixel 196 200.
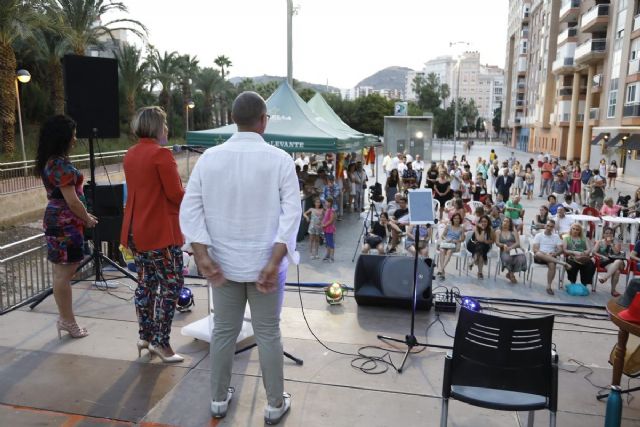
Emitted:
pixel 547 247
pixel 386 164
pixel 299 161
pixel 408 158
pixel 394 161
pixel 563 222
pixel 570 204
pixel 242 229
pixel 418 166
pixel 456 179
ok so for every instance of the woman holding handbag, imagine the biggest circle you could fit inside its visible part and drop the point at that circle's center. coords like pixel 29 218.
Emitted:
pixel 511 254
pixel 609 251
pixel 577 251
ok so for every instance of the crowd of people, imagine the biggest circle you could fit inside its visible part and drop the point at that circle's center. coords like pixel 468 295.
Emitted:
pixel 480 210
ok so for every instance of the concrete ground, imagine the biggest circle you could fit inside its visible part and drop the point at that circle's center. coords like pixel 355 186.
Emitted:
pixel 101 381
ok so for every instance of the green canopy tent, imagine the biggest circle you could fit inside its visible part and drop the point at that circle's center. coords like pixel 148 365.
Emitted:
pixel 322 109
pixel 292 127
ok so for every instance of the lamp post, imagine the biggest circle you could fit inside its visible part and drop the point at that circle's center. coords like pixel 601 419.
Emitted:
pixel 455 118
pixel 24 77
pixel 190 106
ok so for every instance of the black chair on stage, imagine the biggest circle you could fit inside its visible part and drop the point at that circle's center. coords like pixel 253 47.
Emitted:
pixel 503 364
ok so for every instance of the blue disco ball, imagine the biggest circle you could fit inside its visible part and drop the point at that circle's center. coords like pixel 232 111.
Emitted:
pixel 185 300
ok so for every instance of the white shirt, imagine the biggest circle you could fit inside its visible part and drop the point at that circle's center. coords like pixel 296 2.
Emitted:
pixel 401 168
pixel 418 165
pixel 241 199
pixel 573 206
pixel 409 158
pixel 547 244
pixel 386 163
pixel 299 162
pixel 563 225
pixel 394 163
pixel 455 179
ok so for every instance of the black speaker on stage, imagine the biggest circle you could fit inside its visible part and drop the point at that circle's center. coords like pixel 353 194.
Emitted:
pixel 388 281
pixel 109 209
pixel 91 95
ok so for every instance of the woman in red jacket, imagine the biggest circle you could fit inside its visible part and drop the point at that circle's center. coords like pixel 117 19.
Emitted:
pixel 152 231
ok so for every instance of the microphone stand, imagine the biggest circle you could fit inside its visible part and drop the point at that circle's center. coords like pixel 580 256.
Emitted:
pixel 410 339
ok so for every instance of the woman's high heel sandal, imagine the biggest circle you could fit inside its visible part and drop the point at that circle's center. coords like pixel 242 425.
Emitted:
pixel 142 344
pixel 174 358
pixel 71 328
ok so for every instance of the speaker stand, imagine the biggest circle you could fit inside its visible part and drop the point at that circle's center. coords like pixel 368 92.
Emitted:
pixel 363 233
pixel 97 256
pixel 410 339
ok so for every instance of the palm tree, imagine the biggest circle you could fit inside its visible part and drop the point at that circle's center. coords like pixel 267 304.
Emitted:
pixel 81 22
pixel 209 82
pixel 133 71
pixel 187 67
pixel 49 46
pixel 17 19
pixel 223 61
pixel 163 70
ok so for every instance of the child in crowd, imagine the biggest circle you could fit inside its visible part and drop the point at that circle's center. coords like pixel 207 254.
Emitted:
pixel 314 218
pixel 500 202
pixel 530 179
pixel 329 228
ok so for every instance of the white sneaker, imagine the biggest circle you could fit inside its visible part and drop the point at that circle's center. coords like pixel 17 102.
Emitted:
pixel 274 415
pixel 219 409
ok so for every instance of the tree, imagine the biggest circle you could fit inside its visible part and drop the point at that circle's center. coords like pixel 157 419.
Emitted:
pixel 209 81
pixel 429 91
pixel 497 120
pixel 369 113
pixel 163 70
pixel 82 21
pixel 49 46
pixel 469 114
pixel 187 68
pixel 479 125
pixel 306 93
pixel 223 62
pixel 17 20
pixel 133 72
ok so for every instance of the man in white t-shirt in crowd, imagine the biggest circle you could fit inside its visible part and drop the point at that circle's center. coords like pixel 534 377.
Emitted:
pixel 299 160
pixel 418 166
pixel 386 164
pixel 402 164
pixel 456 179
pixel 408 158
pixel 563 222
pixel 394 161
pixel 547 247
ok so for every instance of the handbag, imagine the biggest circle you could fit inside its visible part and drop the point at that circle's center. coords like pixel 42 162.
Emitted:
pixel 621 256
pixel 447 245
pixel 516 251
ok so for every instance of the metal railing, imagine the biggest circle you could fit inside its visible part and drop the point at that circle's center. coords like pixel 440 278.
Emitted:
pixel 19 176
pixel 594 13
pixel 25 274
pixel 591 46
pixel 569 32
pixel 567 5
pixel 562 62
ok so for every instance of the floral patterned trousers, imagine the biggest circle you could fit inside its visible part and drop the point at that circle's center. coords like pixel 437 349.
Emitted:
pixel 160 281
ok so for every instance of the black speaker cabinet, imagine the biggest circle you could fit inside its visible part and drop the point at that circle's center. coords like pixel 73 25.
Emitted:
pixel 388 281
pixel 108 205
pixel 91 95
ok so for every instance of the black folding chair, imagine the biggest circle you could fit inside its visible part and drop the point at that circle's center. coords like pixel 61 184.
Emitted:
pixel 503 364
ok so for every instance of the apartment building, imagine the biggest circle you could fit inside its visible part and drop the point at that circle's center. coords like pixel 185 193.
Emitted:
pixel 482 83
pixel 588 106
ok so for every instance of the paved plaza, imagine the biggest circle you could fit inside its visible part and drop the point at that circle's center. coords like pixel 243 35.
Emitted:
pixel 100 381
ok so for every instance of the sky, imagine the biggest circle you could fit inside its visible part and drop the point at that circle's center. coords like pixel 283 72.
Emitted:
pixel 335 42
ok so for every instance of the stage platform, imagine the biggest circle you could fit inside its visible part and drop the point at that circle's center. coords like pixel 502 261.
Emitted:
pixel 100 381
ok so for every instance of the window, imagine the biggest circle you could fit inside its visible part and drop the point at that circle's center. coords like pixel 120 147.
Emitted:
pixel 611 111
pixel 633 94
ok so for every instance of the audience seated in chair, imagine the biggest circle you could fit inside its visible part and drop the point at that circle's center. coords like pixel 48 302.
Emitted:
pixel 452 238
pixel 577 250
pixel 377 235
pixel 547 246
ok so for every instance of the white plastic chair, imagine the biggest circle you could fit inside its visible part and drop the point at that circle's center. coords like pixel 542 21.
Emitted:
pixel 532 265
pixel 463 254
pixel 524 244
pixel 474 205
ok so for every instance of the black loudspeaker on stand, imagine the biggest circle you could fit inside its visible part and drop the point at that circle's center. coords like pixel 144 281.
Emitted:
pixel 91 99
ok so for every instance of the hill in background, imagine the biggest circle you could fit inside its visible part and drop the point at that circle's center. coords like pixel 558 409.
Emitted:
pixel 266 79
pixel 388 78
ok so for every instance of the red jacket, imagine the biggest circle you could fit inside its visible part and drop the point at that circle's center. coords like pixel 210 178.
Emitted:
pixel 154 194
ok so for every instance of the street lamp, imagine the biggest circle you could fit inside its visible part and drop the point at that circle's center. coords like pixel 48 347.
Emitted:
pixel 455 118
pixel 190 106
pixel 24 77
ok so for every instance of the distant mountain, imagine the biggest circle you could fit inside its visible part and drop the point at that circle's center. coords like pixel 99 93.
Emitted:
pixel 266 79
pixel 389 78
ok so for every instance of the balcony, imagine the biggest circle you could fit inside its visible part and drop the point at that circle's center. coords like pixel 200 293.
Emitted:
pixel 524 34
pixel 597 19
pixel 520 103
pixel 566 34
pixel 569 10
pixel 634 67
pixel 522 65
pixel 565 91
pixel 636 23
pixel 594 114
pixel 591 51
pixel 563 66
